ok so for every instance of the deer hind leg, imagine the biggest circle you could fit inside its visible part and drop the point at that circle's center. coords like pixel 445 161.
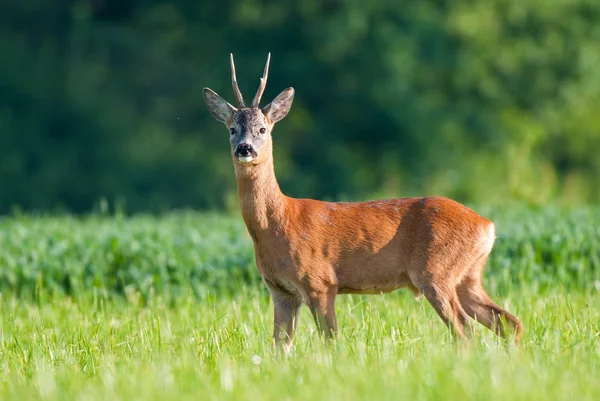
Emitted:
pixel 415 291
pixel 478 305
pixel 445 302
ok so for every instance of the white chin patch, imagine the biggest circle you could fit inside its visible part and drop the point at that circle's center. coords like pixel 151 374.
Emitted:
pixel 245 159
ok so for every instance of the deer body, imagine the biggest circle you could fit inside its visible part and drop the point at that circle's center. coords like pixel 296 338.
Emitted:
pixel 308 251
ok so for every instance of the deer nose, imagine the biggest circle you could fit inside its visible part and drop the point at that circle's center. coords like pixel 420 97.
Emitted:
pixel 244 149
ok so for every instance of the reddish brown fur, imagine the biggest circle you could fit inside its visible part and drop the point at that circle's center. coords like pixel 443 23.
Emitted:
pixel 308 251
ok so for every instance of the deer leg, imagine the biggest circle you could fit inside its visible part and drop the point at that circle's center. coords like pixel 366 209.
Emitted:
pixel 322 307
pixel 286 312
pixel 447 305
pixel 478 305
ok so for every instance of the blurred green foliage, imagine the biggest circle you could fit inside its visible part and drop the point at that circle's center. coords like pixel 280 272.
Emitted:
pixel 187 253
pixel 482 101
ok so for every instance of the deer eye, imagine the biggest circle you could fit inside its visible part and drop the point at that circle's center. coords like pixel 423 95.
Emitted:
pixel 262 130
pixel 232 131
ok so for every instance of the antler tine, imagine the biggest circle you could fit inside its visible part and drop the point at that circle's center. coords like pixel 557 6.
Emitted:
pixel 236 89
pixel 263 84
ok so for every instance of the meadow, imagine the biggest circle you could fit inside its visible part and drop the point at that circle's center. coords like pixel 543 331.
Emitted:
pixel 171 307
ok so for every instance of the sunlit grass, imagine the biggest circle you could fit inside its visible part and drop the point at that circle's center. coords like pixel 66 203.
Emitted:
pixel 390 347
pixel 171 308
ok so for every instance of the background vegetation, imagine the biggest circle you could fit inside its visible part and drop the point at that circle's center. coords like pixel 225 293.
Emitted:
pixel 180 254
pixel 480 100
pixel 147 308
pixel 485 101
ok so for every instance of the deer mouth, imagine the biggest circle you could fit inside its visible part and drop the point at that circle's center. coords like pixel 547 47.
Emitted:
pixel 245 159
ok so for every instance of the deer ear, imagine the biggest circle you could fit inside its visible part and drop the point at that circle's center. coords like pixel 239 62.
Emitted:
pixel 280 106
pixel 218 107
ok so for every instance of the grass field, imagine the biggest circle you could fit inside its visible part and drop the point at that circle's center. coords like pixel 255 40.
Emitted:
pixel 171 307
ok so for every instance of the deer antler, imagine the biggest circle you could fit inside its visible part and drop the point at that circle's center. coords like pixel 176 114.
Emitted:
pixel 263 84
pixel 236 89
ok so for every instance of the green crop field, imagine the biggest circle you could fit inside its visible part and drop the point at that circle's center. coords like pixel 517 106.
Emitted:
pixel 172 308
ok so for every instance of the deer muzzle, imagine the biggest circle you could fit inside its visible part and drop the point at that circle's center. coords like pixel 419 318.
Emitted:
pixel 245 152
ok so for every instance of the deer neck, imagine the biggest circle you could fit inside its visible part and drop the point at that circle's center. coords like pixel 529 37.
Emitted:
pixel 261 201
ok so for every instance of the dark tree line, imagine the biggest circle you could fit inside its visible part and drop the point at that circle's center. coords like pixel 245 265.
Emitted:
pixel 482 101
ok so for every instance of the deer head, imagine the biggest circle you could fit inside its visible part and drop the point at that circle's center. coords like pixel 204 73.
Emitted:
pixel 249 127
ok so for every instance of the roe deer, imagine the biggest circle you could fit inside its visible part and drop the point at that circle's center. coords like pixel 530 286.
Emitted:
pixel 308 251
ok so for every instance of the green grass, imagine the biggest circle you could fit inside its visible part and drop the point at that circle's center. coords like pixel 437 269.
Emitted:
pixel 163 308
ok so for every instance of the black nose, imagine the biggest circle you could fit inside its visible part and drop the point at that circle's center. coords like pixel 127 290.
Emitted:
pixel 244 149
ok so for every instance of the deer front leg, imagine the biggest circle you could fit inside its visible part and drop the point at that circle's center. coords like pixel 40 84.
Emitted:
pixel 322 307
pixel 286 307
